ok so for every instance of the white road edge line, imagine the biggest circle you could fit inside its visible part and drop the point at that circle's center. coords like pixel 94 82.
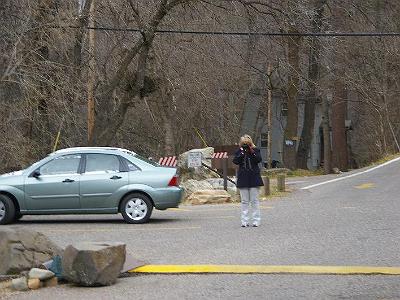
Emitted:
pixel 352 175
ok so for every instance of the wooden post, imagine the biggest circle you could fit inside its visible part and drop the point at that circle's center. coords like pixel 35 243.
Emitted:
pixel 267 190
pixel 281 183
pixel 225 172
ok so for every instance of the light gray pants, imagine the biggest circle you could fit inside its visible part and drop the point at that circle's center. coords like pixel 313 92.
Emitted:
pixel 249 200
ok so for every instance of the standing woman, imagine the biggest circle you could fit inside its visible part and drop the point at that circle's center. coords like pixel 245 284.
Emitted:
pixel 248 180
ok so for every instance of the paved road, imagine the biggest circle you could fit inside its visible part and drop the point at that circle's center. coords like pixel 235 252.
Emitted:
pixel 350 222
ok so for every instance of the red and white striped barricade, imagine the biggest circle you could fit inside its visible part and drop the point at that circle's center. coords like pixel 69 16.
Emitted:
pixel 220 155
pixel 223 163
pixel 168 161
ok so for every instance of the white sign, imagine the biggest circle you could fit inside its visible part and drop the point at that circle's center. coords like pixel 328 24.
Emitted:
pixel 194 159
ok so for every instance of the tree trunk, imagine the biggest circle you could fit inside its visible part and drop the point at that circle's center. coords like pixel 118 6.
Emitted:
pixel 313 76
pixel 91 75
pixel 169 139
pixel 290 134
pixel 327 136
pixel 165 111
pixel 269 118
pixel 339 139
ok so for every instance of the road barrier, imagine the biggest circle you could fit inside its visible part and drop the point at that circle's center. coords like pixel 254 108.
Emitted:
pixel 220 155
pixel 168 161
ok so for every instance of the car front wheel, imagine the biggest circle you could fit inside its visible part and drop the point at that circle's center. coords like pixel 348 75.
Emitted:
pixel 136 208
pixel 7 210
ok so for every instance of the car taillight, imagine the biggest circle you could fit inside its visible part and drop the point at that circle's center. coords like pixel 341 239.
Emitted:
pixel 174 181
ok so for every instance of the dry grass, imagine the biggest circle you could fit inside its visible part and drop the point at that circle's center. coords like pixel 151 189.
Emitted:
pixel 294 173
pixel 385 159
pixel 304 173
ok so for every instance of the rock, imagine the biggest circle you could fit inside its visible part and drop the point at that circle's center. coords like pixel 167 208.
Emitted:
pixel 209 197
pixel 5 284
pixel 34 283
pixel 336 171
pixel 53 265
pixel 20 284
pixel 218 183
pixel 206 153
pixel 199 173
pixel 22 249
pixel 132 263
pixel 190 186
pixel 40 274
pixel 235 195
pixel 50 282
pixel 93 264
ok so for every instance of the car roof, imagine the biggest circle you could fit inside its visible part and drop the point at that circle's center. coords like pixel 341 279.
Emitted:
pixel 92 149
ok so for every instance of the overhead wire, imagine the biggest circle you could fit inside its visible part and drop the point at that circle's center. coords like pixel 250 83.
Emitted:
pixel 243 33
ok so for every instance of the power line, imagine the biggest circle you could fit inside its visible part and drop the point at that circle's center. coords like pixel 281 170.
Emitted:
pixel 242 33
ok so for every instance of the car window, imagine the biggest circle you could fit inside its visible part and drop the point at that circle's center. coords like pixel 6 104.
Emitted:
pixel 67 164
pixel 131 166
pixel 102 163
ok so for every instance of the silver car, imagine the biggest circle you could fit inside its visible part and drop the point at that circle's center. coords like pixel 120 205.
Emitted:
pixel 89 180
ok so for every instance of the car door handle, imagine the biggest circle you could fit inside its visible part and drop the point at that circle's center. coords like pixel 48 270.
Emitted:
pixel 116 177
pixel 68 180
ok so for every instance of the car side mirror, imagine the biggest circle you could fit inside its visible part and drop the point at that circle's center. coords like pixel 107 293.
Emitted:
pixel 36 174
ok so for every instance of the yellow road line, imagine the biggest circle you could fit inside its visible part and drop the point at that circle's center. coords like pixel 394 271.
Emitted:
pixel 365 186
pixel 119 229
pixel 260 269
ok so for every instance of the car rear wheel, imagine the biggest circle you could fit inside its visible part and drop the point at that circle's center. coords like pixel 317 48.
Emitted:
pixel 7 210
pixel 136 208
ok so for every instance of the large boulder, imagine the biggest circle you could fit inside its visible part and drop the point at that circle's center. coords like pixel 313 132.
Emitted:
pixel 206 155
pixel 199 173
pixel 93 264
pixel 209 197
pixel 190 186
pixel 218 183
pixel 22 249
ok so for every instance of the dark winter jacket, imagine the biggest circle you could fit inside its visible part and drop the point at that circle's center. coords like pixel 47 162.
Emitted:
pixel 248 174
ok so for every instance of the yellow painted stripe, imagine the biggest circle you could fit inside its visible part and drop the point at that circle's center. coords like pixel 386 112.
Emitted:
pixel 257 269
pixel 365 186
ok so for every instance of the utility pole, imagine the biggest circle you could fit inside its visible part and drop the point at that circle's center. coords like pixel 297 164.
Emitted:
pixel 269 141
pixel 91 75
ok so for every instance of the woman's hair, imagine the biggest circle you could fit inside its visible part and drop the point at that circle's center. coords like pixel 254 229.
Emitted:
pixel 246 139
